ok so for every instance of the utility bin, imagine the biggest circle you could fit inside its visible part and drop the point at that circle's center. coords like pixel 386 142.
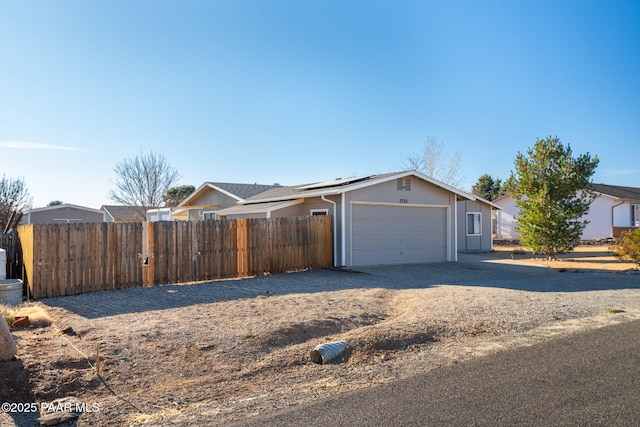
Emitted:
pixel 10 292
pixel 3 264
pixel 10 289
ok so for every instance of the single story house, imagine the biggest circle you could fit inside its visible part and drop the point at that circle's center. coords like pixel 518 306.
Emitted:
pixel 62 214
pixel 394 218
pixel 117 213
pixel 614 210
pixel 207 200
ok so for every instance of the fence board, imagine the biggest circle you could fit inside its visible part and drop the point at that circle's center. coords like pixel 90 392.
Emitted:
pixel 68 259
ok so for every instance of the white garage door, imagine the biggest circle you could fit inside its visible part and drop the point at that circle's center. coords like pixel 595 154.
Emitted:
pixel 398 234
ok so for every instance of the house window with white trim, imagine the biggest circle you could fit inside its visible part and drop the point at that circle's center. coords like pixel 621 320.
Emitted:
pixel 474 224
pixel 315 212
pixel 209 215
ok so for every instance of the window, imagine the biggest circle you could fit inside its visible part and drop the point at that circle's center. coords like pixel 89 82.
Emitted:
pixel 635 215
pixel 209 215
pixel 319 212
pixel 474 224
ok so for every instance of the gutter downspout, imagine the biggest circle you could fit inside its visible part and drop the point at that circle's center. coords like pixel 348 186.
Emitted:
pixel 613 218
pixel 335 230
pixel 455 228
pixel 343 230
pixel 492 230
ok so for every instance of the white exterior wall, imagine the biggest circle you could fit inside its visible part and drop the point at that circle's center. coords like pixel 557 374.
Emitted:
pixel 506 221
pixel 600 215
pixel 622 215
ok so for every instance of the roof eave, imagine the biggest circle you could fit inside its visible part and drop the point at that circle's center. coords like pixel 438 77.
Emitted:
pixel 201 189
pixel 362 184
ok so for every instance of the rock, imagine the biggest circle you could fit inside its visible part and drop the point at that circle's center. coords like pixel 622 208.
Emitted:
pixel 8 347
pixel 55 418
pixel 59 411
pixel 69 331
pixel 20 322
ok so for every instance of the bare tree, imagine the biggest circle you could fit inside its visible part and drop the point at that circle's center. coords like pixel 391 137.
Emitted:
pixel 433 162
pixel 142 181
pixel 14 199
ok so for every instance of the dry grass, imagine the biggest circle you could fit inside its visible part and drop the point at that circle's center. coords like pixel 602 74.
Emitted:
pixel 588 257
pixel 37 314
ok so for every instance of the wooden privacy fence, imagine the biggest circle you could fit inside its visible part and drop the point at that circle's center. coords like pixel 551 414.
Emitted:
pixel 68 259
pixel 9 242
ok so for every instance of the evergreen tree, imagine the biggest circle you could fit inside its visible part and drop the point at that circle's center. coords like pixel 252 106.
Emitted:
pixel 487 187
pixel 175 195
pixel 551 189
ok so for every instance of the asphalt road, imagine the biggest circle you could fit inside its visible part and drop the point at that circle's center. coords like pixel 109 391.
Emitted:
pixel 586 379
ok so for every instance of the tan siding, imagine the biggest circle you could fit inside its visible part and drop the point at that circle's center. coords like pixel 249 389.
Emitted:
pixel 295 210
pixel 213 198
pixel 248 215
pixel 303 209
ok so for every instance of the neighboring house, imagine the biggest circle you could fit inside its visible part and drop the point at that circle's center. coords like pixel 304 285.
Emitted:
pixel 395 218
pixel 117 213
pixel 615 209
pixel 207 200
pixel 62 214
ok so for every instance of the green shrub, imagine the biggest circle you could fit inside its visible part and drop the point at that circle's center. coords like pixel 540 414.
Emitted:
pixel 627 246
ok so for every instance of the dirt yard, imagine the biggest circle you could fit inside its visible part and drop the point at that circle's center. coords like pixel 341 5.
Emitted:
pixel 216 358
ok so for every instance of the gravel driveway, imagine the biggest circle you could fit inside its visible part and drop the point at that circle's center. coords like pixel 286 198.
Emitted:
pixel 217 352
pixel 470 270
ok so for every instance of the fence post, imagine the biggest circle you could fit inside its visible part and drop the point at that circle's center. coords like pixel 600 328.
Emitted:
pixel 147 260
pixel 242 248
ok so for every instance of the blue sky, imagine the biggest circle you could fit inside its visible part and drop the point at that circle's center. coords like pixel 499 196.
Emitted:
pixel 295 91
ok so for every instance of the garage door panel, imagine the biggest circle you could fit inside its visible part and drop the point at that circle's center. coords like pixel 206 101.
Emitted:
pixel 393 235
pixel 399 240
pixel 378 257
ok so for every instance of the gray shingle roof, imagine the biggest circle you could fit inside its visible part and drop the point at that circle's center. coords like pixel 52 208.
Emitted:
pixel 317 188
pixel 124 213
pixel 281 191
pixel 244 191
pixel 627 193
pixel 300 190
